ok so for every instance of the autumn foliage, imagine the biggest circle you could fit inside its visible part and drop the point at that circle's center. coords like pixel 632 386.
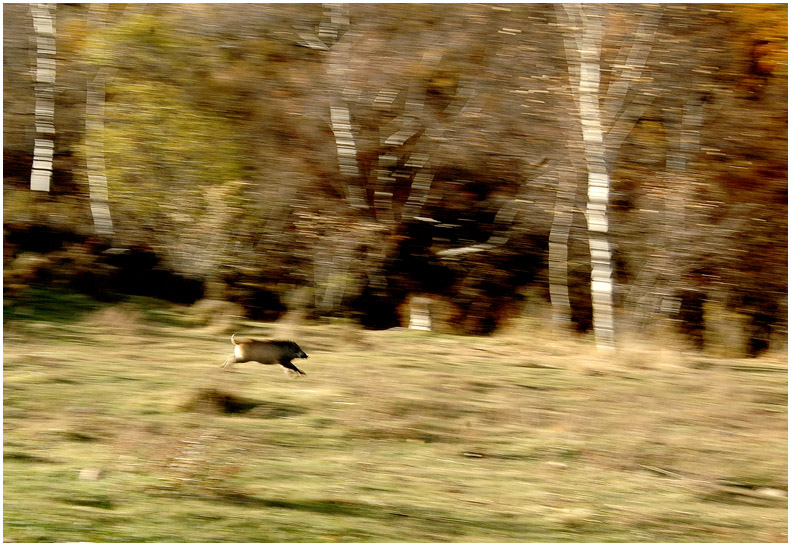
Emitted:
pixel 377 152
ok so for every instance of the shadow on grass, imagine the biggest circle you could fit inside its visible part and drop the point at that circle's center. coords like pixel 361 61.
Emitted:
pixel 20 456
pixel 342 508
pixel 221 402
pixel 438 521
pixel 92 501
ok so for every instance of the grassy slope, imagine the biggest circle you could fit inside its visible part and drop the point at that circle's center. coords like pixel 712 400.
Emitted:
pixel 119 426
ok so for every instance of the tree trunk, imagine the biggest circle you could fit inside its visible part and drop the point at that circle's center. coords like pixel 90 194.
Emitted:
pixel 44 149
pixel 332 29
pixel 585 85
pixel 606 120
pixel 562 217
pixel 94 136
pixel 420 313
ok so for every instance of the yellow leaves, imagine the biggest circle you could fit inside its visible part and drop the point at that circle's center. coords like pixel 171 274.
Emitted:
pixel 764 21
pixel 762 36
pixel 161 148
pixel 72 35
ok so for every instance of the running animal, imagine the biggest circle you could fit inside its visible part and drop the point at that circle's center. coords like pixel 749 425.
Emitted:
pixel 265 352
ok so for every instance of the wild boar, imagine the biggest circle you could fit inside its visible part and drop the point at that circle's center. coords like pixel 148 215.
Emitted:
pixel 265 352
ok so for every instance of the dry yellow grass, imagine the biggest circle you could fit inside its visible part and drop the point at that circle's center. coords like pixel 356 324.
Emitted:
pixel 133 433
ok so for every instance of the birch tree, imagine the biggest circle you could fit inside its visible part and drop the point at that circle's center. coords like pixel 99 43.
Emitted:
pixel 562 217
pixel 689 98
pixel 563 211
pixel 44 26
pixel 332 36
pixel 606 118
pixel 407 143
pixel 94 133
pixel 656 290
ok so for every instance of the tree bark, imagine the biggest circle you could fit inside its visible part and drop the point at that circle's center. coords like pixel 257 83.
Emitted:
pixel 585 85
pixel 606 119
pixel 44 149
pixel 94 136
pixel 562 217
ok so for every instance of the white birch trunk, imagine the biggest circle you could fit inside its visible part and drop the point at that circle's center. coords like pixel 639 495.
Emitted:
pixel 565 201
pixel 605 125
pixel 587 81
pixel 44 113
pixel 420 313
pixel 95 166
pixel 333 27
pixel 94 136
pixel 562 217
pixel 331 268
pixel 340 122
pixel 563 212
pixel 413 122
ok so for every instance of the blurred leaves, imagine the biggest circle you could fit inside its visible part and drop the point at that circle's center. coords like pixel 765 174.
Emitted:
pixel 221 157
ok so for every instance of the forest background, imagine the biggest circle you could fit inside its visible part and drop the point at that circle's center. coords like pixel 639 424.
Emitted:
pixel 349 161
pixel 537 183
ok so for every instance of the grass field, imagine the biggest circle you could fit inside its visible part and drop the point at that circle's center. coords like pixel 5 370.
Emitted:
pixel 119 426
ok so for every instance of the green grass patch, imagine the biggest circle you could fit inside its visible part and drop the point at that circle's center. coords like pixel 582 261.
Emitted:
pixel 38 304
pixel 121 427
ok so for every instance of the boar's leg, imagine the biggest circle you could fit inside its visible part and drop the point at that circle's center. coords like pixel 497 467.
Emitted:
pixel 288 364
pixel 230 361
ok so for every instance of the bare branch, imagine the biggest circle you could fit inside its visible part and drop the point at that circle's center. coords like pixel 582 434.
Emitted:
pixel 631 68
pixel 623 125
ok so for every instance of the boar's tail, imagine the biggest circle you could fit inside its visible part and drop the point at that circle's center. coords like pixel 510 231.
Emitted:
pixel 233 340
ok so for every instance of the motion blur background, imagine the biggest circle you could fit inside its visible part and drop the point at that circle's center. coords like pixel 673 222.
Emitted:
pixel 532 183
pixel 249 151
